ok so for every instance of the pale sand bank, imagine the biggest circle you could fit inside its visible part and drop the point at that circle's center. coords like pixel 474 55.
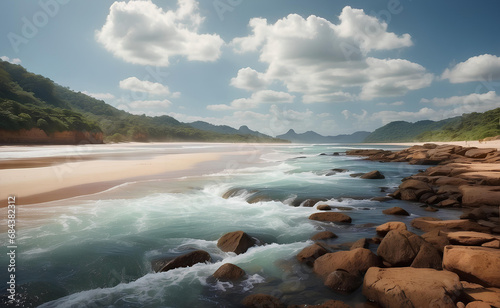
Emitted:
pixel 41 184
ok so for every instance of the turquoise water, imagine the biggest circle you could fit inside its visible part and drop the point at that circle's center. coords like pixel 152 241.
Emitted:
pixel 96 251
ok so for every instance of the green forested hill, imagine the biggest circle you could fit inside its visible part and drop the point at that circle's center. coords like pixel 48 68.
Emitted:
pixel 30 101
pixel 473 126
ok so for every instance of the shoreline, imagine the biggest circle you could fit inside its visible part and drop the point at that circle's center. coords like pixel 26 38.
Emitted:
pixel 60 181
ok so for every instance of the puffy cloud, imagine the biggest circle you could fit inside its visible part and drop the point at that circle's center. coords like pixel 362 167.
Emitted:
pixel 390 116
pixel 257 98
pixel 140 32
pixel 328 62
pixel 101 96
pixel 398 103
pixel 249 79
pixel 13 61
pixel 480 68
pixel 474 102
pixel 369 32
pixel 360 117
pixel 136 85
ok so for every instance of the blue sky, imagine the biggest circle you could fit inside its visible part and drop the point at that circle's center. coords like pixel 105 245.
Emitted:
pixel 330 66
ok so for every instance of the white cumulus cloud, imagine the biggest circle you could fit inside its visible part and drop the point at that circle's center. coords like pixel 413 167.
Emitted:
pixel 249 79
pixel 480 68
pixel 257 99
pixel 145 86
pixel 13 61
pixel 140 32
pixel 329 62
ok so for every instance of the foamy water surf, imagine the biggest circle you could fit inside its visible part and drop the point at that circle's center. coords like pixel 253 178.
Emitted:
pixel 97 251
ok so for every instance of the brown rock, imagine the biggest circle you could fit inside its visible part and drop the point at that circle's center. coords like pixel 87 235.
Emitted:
pixel 396 211
pixel 477 304
pixel 480 195
pixel 479 153
pixel 229 271
pixel 325 235
pixel 361 243
pixel 187 260
pixel 343 282
pixel 373 175
pixel 399 248
pixel 437 239
pixel 331 217
pixel 474 264
pixel 470 238
pixel 483 296
pixel 431 209
pixel 237 242
pixel 446 180
pixel 408 195
pixel 261 301
pixel 311 253
pixel 450 189
pixel 323 207
pixel 311 202
pixel 388 226
pixel 411 287
pixel 448 203
pixel 429 223
pixel 353 261
pixel 492 244
pixel 415 185
pixel 428 257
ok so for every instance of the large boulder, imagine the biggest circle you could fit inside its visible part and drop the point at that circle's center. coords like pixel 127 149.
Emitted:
pixel 479 153
pixel 477 195
pixel 229 271
pixel 415 185
pixel 343 282
pixel 373 175
pixel 475 264
pixel 311 253
pixel 411 287
pixel 430 223
pixel 389 226
pixel 489 297
pixel 325 235
pixel 331 217
pixel 396 211
pixel 428 257
pixel 470 238
pixel 237 242
pixel 261 301
pixel 400 247
pixel 187 260
pixel 354 261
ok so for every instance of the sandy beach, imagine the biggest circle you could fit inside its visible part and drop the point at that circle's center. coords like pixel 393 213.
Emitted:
pixel 46 179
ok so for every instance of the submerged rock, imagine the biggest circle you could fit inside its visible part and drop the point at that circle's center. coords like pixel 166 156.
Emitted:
pixel 261 301
pixel 331 217
pixel 396 211
pixel 237 242
pixel 325 235
pixel 343 281
pixel 229 271
pixel 373 175
pixel 187 260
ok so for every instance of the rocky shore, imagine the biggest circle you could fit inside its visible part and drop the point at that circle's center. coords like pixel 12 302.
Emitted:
pixel 452 263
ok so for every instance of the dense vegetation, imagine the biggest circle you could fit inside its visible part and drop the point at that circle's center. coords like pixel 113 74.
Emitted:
pixel 472 126
pixel 28 101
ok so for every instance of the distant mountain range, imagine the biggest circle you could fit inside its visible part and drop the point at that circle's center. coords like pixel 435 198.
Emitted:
pixel 313 137
pixel 224 129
